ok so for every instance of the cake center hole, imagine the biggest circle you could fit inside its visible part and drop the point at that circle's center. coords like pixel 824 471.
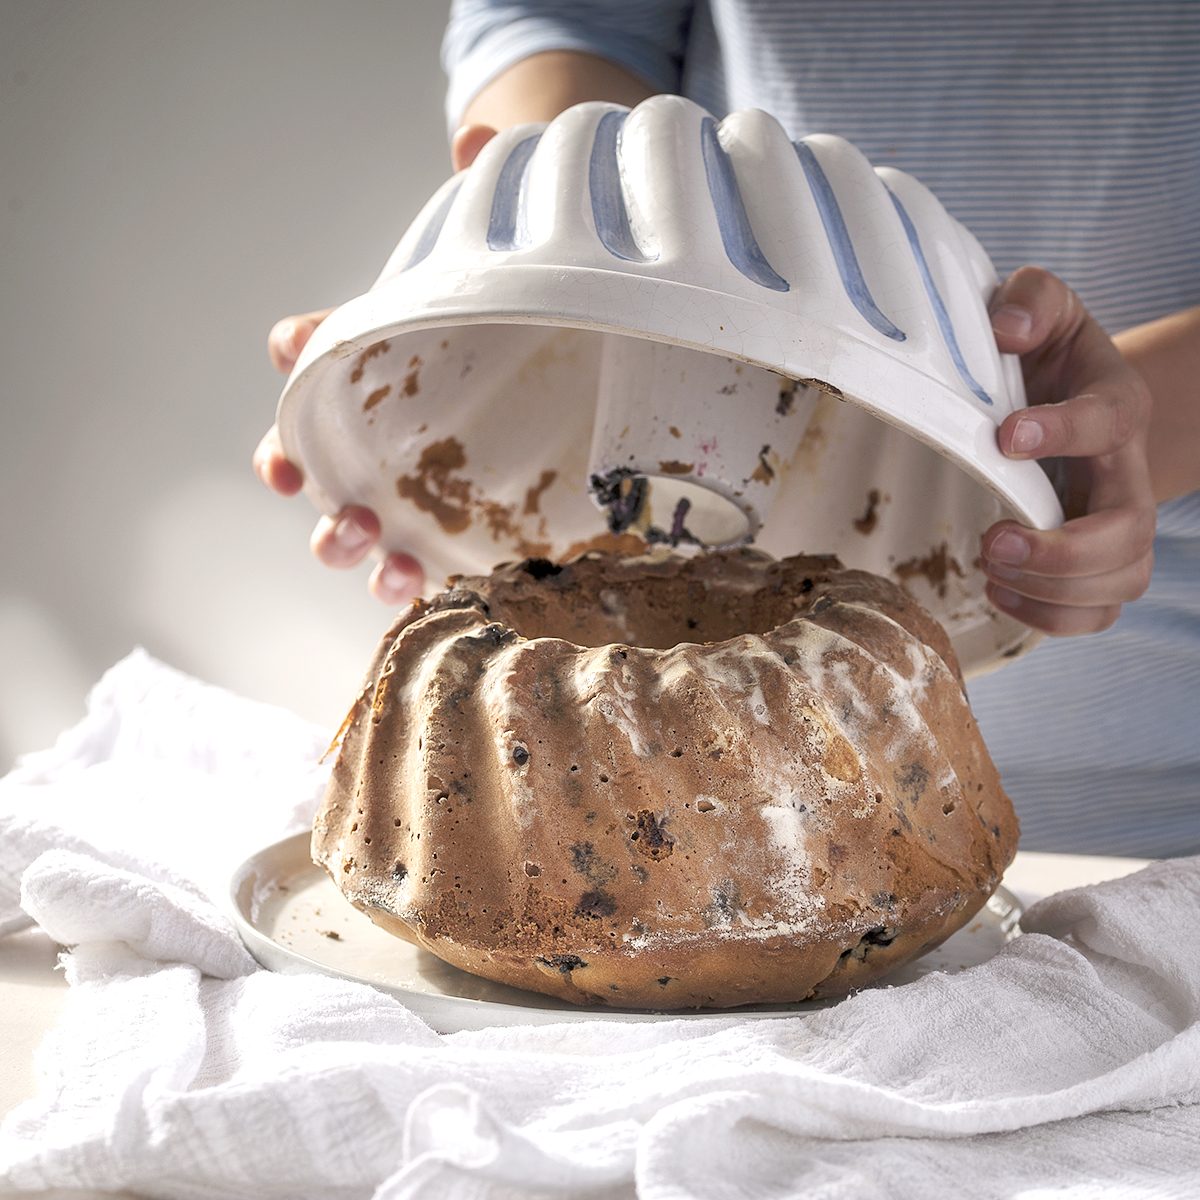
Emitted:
pixel 653 613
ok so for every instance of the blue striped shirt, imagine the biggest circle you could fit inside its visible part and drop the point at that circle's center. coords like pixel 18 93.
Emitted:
pixel 1065 134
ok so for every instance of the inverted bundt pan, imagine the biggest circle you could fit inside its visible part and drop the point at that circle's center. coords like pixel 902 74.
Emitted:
pixel 618 294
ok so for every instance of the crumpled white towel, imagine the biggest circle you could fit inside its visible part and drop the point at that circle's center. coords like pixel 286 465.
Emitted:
pixel 1068 1066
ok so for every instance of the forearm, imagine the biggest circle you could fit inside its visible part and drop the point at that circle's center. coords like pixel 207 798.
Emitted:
pixel 1167 354
pixel 538 88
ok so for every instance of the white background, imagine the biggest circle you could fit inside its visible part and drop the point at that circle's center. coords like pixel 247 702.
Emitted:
pixel 174 176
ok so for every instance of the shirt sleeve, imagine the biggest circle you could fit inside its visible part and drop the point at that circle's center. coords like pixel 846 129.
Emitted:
pixel 485 37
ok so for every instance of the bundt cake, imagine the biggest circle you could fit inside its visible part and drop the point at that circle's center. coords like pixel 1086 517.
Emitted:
pixel 667 782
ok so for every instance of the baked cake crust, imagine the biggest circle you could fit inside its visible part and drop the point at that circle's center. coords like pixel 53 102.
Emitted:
pixel 667 783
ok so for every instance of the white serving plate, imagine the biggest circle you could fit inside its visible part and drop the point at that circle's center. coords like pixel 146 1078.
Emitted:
pixel 294 920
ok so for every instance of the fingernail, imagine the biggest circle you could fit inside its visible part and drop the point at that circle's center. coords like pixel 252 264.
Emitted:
pixel 1003 598
pixel 350 535
pixel 1008 547
pixel 397 585
pixel 1027 436
pixel 1012 321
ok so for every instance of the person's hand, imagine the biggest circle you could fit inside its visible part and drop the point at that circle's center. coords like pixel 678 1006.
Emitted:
pixel 1089 408
pixel 346 538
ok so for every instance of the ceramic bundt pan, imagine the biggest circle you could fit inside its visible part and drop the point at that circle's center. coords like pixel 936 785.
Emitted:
pixel 627 300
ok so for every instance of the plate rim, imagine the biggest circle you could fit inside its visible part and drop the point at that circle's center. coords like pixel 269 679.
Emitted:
pixel 474 1011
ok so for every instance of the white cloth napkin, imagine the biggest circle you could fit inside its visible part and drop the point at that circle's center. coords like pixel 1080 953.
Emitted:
pixel 1068 1066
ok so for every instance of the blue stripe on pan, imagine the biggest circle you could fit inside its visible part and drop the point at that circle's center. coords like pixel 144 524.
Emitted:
pixel 935 299
pixel 433 227
pixel 604 185
pixel 841 245
pixel 504 232
pixel 740 244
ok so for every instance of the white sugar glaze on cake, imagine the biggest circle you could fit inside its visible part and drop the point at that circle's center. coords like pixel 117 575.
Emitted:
pixel 736 780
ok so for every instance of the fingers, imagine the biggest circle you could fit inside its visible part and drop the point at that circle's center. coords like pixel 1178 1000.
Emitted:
pixel 397 579
pixel 1085 591
pixel 467 143
pixel 1085 398
pixel 344 540
pixel 1099 421
pixel 1054 619
pixel 1089 409
pixel 274 468
pixel 1032 307
pixel 1096 544
pixel 284 343
pixel 289 336
pixel 1073 579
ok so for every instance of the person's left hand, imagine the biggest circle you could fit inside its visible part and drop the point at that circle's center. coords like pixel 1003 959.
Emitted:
pixel 1091 409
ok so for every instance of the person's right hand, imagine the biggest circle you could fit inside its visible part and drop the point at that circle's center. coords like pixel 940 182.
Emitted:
pixel 346 538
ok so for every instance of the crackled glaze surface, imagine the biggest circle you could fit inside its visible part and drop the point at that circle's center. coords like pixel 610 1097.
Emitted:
pixel 667 782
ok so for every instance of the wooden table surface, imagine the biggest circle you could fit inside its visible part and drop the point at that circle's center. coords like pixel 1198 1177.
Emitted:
pixel 32 992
